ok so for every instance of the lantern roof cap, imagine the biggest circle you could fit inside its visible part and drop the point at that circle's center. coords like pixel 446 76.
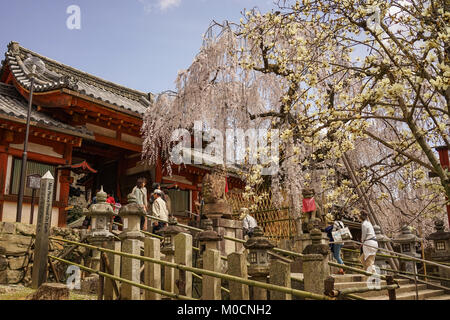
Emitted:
pixel 132 208
pixel 258 241
pixel 380 237
pixel 172 227
pixel 209 234
pixel 101 207
pixel 406 236
pixel 440 233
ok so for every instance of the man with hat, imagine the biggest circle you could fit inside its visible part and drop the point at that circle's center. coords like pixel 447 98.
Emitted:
pixel 159 210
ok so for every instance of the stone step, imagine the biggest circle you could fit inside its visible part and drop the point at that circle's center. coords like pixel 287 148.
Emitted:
pixel 408 288
pixel 442 297
pixel 427 294
pixel 338 278
pixel 343 285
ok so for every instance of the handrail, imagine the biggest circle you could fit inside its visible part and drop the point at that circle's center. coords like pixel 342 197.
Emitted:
pixel 253 283
pixel 110 276
pixel 389 256
pixel 201 278
pixel 403 255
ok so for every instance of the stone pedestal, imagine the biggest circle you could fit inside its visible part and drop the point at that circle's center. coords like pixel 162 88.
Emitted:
pixel 350 256
pixel 301 242
pixel 407 241
pixel 381 262
pixel 315 264
pixel 230 228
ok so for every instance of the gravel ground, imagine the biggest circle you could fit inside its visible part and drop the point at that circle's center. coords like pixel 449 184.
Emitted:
pixel 18 292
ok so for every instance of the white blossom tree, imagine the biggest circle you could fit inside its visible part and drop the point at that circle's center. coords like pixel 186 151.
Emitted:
pixel 366 81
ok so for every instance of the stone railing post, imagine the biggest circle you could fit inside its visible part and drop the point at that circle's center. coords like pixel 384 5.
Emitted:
pixel 441 252
pixel 211 285
pixel 315 264
pixel 114 265
pixel 131 243
pixel 183 256
pixel 152 271
pixel 237 266
pixel 280 275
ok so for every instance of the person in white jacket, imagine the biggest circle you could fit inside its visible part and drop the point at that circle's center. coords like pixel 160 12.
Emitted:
pixel 369 243
pixel 159 210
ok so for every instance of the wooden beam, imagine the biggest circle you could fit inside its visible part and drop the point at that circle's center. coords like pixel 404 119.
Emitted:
pixel 117 143
pixel 33 156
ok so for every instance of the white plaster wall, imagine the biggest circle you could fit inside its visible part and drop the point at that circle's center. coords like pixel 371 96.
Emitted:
pixel 8 174
pixel 10 210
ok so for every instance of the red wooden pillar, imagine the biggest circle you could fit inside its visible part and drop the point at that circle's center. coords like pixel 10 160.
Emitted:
pixel 65 181
pixel 3 170
pixel 158 171
pixel 445 163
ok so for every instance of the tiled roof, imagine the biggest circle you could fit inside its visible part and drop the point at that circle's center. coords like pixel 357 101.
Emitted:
pixel 13 106
pixel 58 75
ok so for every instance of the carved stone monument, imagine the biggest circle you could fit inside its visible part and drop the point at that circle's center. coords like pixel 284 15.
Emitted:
pixel 39 274
pixel 213 193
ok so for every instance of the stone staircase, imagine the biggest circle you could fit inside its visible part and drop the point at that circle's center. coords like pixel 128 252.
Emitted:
pixel 407 290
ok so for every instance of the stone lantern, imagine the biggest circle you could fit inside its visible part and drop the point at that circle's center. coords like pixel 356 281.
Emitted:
pixel 131 214
pixel 101 214
pixel 382 240
pixel 208 239
pixel 131 238
pixel 258 257
pixel 441 246
pixel 169 232
pixel 408 241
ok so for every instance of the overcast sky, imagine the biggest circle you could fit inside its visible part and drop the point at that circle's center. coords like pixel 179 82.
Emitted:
pixel 140 44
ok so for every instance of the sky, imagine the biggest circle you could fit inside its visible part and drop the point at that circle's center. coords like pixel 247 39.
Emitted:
pixel 141 44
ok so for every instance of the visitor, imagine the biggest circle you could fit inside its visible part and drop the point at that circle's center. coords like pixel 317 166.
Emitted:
pixel 248 223
pixel 338 244
pixel 140 193
pixel 369 244
pixel 159 210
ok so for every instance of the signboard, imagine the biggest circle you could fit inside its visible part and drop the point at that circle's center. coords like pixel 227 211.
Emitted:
pixel 34 181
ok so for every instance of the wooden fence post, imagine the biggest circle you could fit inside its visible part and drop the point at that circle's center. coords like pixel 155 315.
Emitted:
pixel 237 266
pixel 391 292
pixel 152 271
pixel 211 285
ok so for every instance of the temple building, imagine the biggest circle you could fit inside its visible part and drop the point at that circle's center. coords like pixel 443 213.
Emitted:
pixel 86 132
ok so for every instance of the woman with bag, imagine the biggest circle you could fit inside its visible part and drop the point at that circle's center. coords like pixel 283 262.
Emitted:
pixel 140 192
pixel 338 225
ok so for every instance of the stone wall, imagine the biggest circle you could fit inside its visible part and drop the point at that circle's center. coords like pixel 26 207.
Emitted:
pixel 16 245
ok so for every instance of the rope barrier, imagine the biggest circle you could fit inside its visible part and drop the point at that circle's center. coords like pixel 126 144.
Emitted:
pixel 294 292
